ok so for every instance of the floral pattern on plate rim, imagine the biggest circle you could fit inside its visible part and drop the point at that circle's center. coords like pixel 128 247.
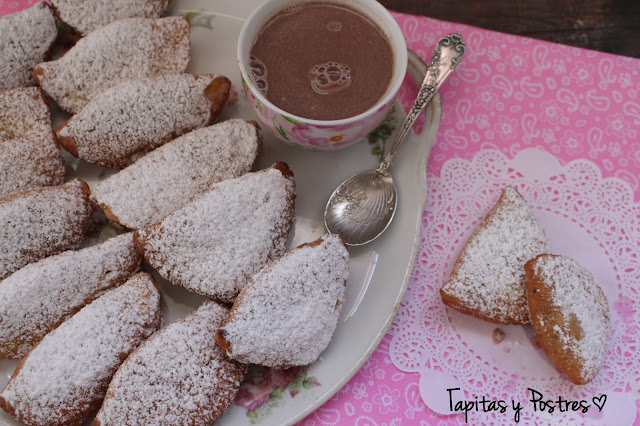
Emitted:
pixel 265 388
pixel 199 18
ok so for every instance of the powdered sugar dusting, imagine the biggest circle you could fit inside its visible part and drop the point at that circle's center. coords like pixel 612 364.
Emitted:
pixel 38 297
pixel 24 113
pixel 489 276
pixel 29 154
pixel 179 376
pixel 212 245
pixel 123 50
pixel 287 315
pixel 134 117
pixel 25 40
pixel 88 15
pixel 26 164
pixel 172 175
pixel 42 222
pixel 583 304
pixel 66 376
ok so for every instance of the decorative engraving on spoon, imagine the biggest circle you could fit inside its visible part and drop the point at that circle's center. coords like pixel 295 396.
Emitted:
pixel 440 67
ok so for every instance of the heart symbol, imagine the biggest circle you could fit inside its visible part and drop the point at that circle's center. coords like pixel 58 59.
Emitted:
pixel 599 401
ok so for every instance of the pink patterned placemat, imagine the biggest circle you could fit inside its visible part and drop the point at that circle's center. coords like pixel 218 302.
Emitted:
pixel 556 121
pixel 11 6
pixel 580 112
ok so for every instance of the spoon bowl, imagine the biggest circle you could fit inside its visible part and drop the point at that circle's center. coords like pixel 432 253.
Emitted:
pixel 363 206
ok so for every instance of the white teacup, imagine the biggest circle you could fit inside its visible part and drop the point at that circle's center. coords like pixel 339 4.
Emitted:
pixel 322 134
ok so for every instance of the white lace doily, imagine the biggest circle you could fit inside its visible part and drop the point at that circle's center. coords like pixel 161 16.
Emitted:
pixel 588 217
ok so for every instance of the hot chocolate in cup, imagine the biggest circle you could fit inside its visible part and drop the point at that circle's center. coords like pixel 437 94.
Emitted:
pixel 322 134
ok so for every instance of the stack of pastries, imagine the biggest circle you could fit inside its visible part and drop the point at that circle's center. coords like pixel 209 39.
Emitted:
pixel 85 322
pixel 504 274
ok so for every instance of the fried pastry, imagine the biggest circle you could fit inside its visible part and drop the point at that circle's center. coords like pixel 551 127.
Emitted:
pixel 172 175
pixel 42 222
pixel 569 314
pixel 26 39
pixel 129 49
pixel 179 376
pixel 63 380
pixel 214 244
pixel 287 313
pixel 488 278
pixel 29 153
pixel 132 118
pixel 85 16
pixel 40 296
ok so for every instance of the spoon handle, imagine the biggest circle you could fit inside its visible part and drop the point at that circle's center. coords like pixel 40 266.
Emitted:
pixel 446 56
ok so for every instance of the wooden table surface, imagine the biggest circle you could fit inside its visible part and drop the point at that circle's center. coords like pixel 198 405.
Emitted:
pixel 606 25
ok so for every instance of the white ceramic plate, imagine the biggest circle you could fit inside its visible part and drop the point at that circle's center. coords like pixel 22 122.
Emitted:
pixel 379 272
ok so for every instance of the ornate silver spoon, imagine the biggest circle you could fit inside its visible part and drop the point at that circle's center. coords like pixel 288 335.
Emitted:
pixel 362 207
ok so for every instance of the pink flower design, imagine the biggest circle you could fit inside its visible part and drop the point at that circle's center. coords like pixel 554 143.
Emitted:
pixel 625 80
pixel 409 413
pixel 333 137
pixel 559 67
pixel 304 133
pixel 359 391
pixel 506 127
pixel 551 112
pixel 233 97
pixel 548 136
pixel 615 149
pixel 487 96
pixel 517 60
pixel 386 399
pixel 257 387
pixel 617 126
pixel 493 53
pixel 482 121
pixel 283 377
pixel 264 384
pixel 583 74
pixel 573 142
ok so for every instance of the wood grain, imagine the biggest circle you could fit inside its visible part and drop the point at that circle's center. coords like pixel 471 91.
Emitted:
pixel 606 25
